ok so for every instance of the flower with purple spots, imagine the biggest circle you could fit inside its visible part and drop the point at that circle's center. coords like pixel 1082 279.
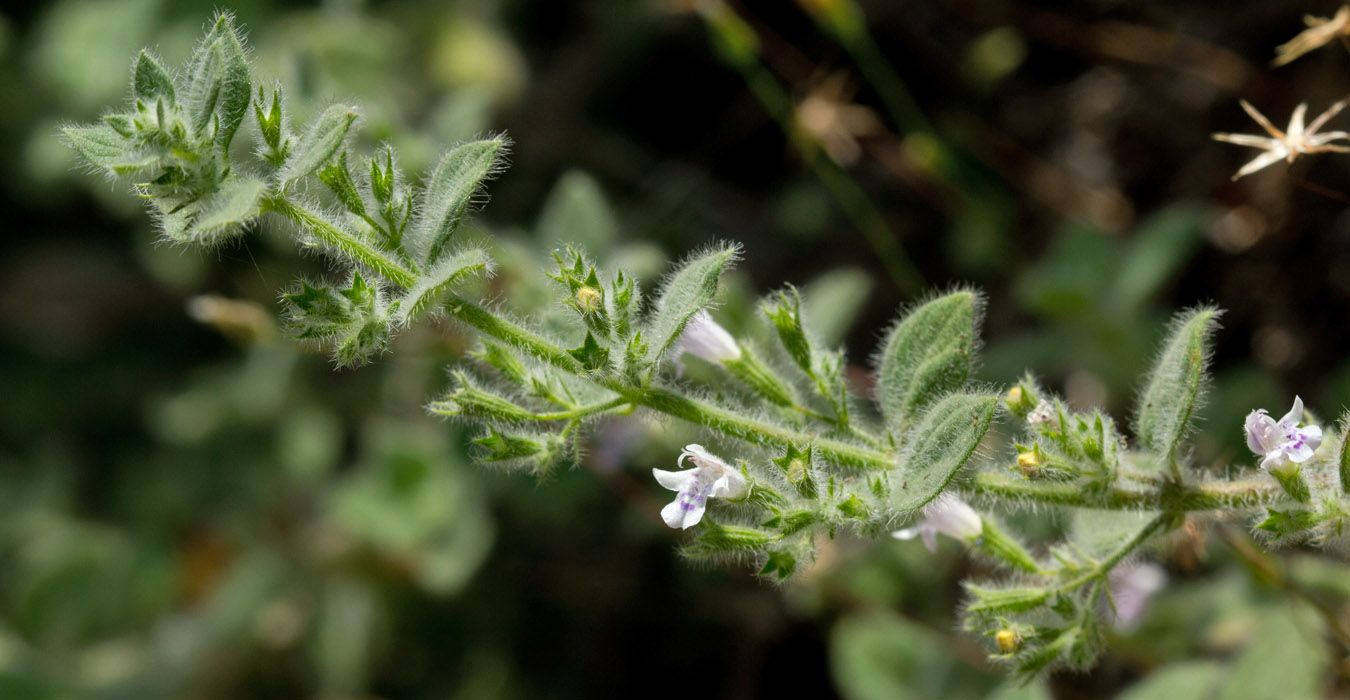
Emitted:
pixel 946 515
pixel 1282 444
pixel 710 478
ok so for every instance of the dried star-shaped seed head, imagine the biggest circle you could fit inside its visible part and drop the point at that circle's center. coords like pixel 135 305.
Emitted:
pixel 1287 145
pixel 1320 32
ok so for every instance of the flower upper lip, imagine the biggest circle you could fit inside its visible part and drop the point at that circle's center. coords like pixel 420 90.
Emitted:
pixel 1282 442
pixel 710 478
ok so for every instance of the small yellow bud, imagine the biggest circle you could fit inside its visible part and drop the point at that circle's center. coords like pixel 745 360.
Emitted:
pixel 1014 396
pixel 589 299
pixel 1007 641
pixel 1030 463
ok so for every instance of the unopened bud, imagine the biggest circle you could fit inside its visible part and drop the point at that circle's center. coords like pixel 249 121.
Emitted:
pixel 1030 463
pixel 589 299
pixel 1007 641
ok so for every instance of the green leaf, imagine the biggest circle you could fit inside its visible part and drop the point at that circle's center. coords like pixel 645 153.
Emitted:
pixel 151 80
pixel 440 279
pixel 1157 249
pixel 1281 523
pixel 501 447
pixel 1188 679
pixel 592 355
pixel 319 143
pixel 783 309
pixel 316 312
pixel 206 74
pixel 339 179
pixel 236 88
pixel 714 538
pixel 450 190
pixel 1343 463
pixel 927 354
pixel 992 601
pixel 1176 382
pixel 779 565
pixel 878 655
pixel 576 213
pixel 103 147
pixel 218 84
pixel 942 444
pixel 686 292
pixel 230 208
pixel 1287 659
pixel 831 303
pixel 1098 533
pixel 269 121
pixel 369 337
pixel 356 316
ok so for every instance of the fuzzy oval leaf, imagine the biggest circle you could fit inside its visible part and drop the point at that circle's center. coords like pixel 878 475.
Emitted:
pixel 151 80
pixel 234 204
pixel 108 150
pixel 204 82
pixel 690 289
pixel 927 354
pixel 450 190
pixel 943 443
pixel 1176 383
pixel 236 87
pixel 440 279
pixel 323 138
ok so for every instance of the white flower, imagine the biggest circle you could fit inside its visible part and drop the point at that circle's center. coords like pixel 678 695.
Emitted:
pixel 1042 414
pixel 1282 443
pixel 706 339
pixel 710 478
pixel 947 515
pixel 1287 145
pixel 1132 585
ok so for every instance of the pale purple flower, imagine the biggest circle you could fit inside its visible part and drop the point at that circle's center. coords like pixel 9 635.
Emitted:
pixel 710 478
pixel 1132 585
pixel 706 339
pixel 947 515
pixel 1282 443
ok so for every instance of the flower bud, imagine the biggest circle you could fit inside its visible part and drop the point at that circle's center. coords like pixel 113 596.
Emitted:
pixel 1007 641
pixel 706 339
pixel 589 299
pixel 1029 463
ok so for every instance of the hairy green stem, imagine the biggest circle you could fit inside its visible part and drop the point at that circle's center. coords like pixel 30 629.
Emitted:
pixel 583 411
pixel 753 431
pixel 511 334
pixel 1105 566
pixel 1167 497
pixel 345 241
pixel 1213 495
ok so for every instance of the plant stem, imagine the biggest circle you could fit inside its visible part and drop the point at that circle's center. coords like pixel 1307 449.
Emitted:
pixel 345 241
pixel 512 334
pixel 583 411
pixel 753 431
pixel 1167 497
pixel 1104 567
pixel 1213 495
